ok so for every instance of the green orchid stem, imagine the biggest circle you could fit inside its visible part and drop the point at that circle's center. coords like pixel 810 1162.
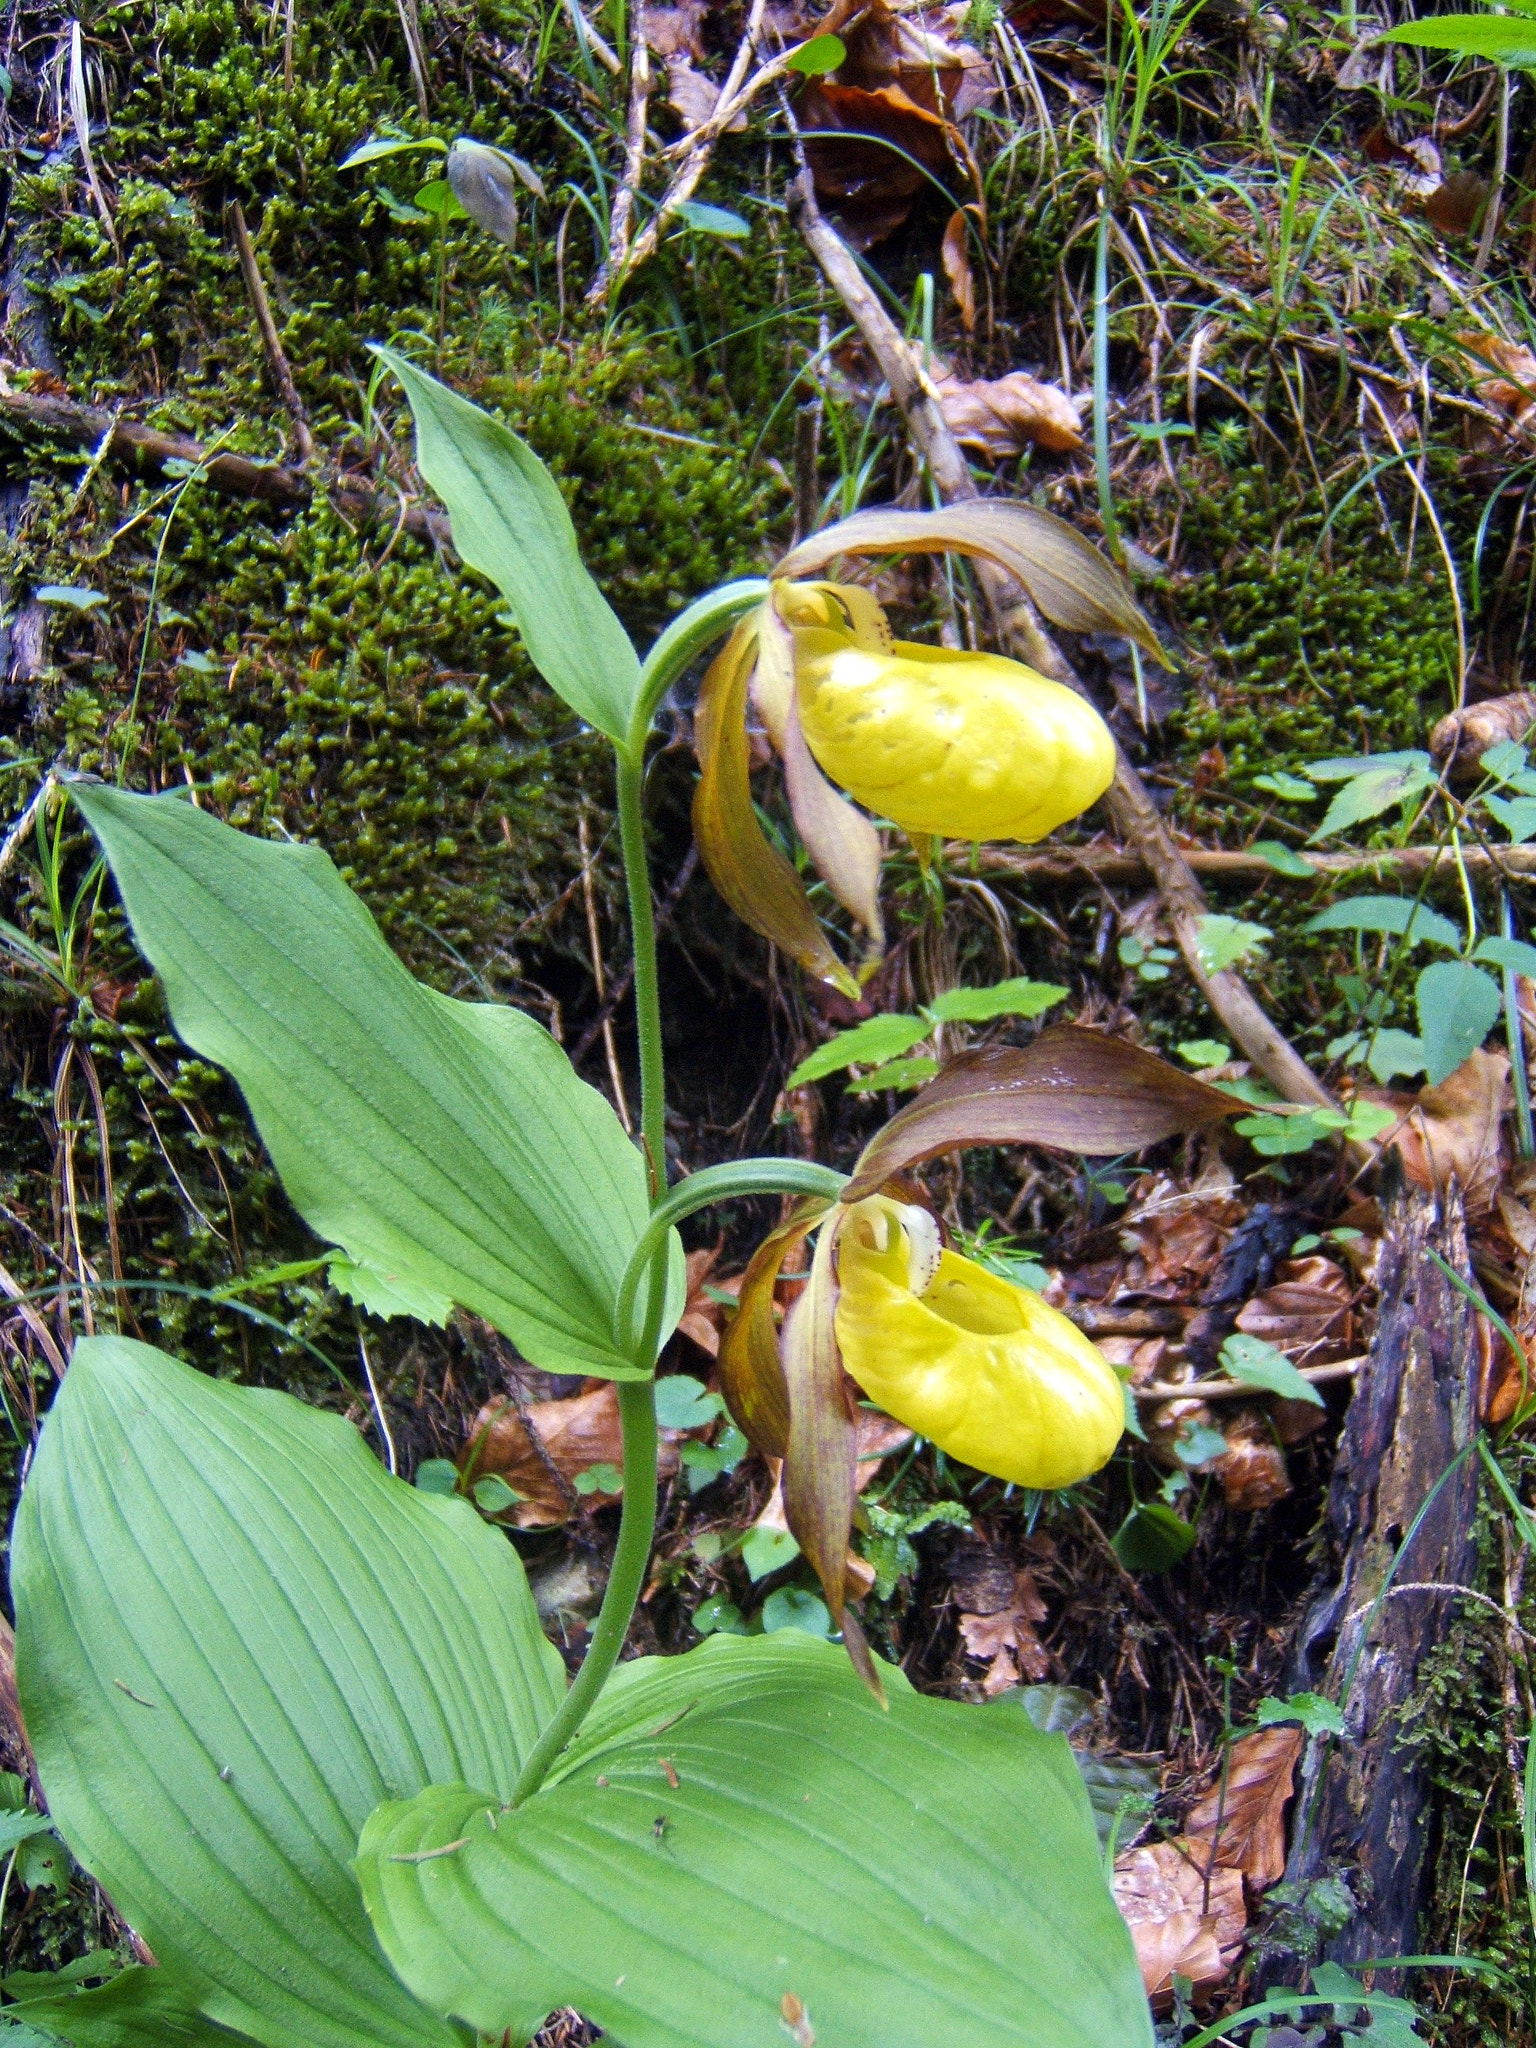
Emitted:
pixel 727 1183
pixel 626 1578
pixel 706 620
pixel 642 922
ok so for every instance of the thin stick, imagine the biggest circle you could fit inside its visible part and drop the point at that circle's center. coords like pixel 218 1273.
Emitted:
pixel 271 341
pixel 136 447
pixel 1136 817
pixel 10 846
pixel 622 218
pixel 1240 1390
pixel 1105 863
pixel 620 989
pixel 410 22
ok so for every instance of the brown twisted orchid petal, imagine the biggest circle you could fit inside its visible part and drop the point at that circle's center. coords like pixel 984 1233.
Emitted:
pixel 754 878
pixel 842 843
pixel 821 1454
pixel 751 1374
pixel 1076 1090
pixel 1065 575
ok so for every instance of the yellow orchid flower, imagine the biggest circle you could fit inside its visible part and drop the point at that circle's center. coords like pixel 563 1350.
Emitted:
pixel 947 744
pixel 987 1371
pixel 944 743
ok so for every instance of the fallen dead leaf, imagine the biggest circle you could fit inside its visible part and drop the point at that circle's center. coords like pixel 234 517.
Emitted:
pixel 676 30
pixel 1503 374
pixel 1244 1821
pixel 1455 1130
pixel 703 1317
pixel 1253 1473
pixel 1463 737
pixel 957 267
pixel 1454 205
pixel 1005 1639
pixel 1003 415
pixel 694 97
pixel 1307 1310
pixel 1180 1925
pixel 540 1450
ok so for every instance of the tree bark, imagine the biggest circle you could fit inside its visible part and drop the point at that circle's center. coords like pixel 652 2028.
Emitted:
pixel 1400 1515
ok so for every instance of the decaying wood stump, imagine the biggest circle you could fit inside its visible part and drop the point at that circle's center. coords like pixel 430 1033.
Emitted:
pixel 1362 1811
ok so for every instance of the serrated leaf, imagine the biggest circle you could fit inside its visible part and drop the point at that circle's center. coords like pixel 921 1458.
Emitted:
pixel 1399 915
pixel 871 1043
pixel 1515 954
pixel 1019 997
pixel 702 1912
pixel 1516 814
pixel 1458 1006
pixel 1472 35
pixel 1223 941
pixel 1368 795
pixel 510 523
pixel 235 1634
pixel 448 1147
pixel 1284 859
pixel 1079 1091
pixel 1253 1363
pixel 1317 1715
pixel 1067 577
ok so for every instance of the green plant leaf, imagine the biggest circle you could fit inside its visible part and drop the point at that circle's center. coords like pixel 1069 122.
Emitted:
pixel 1253 1363
pixel 1393 1052
pixel 1390 779
pixel 713 220
pixel 448 1147
pixel 1284 859
pixel 1152 1538
pixel 235 1635
pixel 819 55
pixel 1019 997
pixel 376 148
pixel 1516 954
pixel 1317 1715
pixel 869 1044
pixel 139 2008
pixel 913 1073
pixel 510 523
pixel 1399 915
pixel 895 1879
pixel 1458 1006
pixel 1517 814
pixel 1473 35
pixel 1223 941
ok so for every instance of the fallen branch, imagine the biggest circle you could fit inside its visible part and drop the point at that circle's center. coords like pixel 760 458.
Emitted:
pixel 1241 1390
pixel 622 219
pixel 1135 816
pixel 144 449
pixel 1055 864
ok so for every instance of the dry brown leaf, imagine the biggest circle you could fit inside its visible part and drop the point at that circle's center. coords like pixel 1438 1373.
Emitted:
pixel 1454 205
pixel 676 30
pixel 1503 373
pixel 1307 1310
pixel 694 97
pixel 1245 1821
pixel 1003 415
pixel 540 1451
pixel 703 1317
pixel 957 267
pixel 1179 1925
pixel 1455 1130
pixel 1005 1640
pixel 1463 737
pixel 1253 1473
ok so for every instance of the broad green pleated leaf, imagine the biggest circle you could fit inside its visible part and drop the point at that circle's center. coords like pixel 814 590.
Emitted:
pixel 235 1635
pixel 510 522
pixel 888 1880
pixel 447 1147
pixel 138 2009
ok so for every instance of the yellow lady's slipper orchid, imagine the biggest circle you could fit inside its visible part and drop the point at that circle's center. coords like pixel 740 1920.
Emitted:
pixel 985 1370
pixel 965 746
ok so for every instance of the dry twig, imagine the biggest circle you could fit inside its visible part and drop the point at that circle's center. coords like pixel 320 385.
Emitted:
pixel 271 341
